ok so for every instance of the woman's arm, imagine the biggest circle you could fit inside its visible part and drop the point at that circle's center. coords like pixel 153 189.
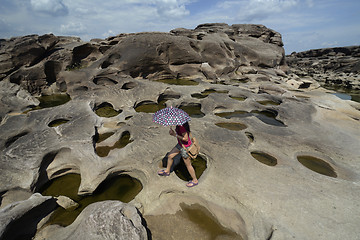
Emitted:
pixel 184 137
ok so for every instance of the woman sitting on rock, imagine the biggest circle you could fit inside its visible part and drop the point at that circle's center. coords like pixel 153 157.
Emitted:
pixel 182 133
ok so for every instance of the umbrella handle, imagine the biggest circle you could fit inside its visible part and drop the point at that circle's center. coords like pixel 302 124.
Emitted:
pixel 171 129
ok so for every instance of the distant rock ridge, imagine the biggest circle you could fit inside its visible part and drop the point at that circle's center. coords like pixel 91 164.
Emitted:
pixel 338 66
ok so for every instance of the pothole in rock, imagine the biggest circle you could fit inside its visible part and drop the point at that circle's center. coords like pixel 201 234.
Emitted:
pixel 175 81
pixel 199 164
pixel 58 122
pixel 317 165
pixel 128 117
pixel 193 109
pixel 269 102
pixel 192 222
pixel 13 139
pixel 104 81
pixel 98 138
pixel 266 116
pixel 81 53
pixel 129 85
pixel 250 136
pixel 239 98
pixel 103 151
pixel 234 114
pixel 121 187
pixel 48 101
pixel 240 80
pixel 234 126
pixel 264 158
pixel 106 110
pixel 168 95
pixel 207 92
pixel 302 97
pixel 150 106
pixel 305 85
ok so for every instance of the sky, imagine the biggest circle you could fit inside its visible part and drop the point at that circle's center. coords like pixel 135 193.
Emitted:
pixel 303 24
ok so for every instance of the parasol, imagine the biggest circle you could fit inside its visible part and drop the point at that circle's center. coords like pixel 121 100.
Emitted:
pixel 171 116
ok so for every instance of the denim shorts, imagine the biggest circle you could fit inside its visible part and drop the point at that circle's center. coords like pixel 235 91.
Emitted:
pixel 183 152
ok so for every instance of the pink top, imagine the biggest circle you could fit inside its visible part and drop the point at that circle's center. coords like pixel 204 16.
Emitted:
pixel 179 131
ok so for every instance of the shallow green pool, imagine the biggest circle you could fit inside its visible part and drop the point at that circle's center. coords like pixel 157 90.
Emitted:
pixel 317 165
pixel 124 140
pixel 199 164
pixel 123 188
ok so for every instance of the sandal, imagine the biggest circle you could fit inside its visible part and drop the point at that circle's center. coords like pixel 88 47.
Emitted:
pixel 191 184
pixel 163 173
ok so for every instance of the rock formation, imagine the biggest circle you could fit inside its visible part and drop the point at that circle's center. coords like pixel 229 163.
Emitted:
pixel 339 67
pixel 19 219
pixel 241 76
pixel 103 220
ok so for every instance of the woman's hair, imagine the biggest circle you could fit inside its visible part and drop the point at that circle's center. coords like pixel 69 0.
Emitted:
pixel 187 126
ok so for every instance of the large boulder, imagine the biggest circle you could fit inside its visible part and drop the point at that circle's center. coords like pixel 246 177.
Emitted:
pixel 19 220
pixel 102 220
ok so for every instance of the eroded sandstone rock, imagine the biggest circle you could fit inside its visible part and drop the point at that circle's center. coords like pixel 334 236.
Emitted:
pixel 339 67
pixel 104 220
pixel 180 53
pixel 19 219
pixel 241 69
pixel 66 203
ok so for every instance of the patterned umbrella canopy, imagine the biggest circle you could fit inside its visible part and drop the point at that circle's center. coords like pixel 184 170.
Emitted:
pixel 171 116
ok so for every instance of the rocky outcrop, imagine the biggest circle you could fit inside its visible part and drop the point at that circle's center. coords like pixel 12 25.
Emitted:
pixel 183 53
pixel 339 67
pixel 103 220
pixel 233 76
pixel 180 53
pixel 19 219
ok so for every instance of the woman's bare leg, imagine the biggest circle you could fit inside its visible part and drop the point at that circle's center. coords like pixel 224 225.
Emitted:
pixel 170 160
pixel 190 169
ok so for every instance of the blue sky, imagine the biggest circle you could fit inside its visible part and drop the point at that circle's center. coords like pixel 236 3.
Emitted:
pixel 303 24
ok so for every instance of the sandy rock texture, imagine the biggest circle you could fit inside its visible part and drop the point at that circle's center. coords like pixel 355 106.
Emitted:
pixel 286 116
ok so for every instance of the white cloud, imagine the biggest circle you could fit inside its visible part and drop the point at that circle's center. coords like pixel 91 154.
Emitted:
pixel 171 10
pixel 303 24
pixel 73 28
pixel 50 7
pixel 108 33
pixel 261 9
